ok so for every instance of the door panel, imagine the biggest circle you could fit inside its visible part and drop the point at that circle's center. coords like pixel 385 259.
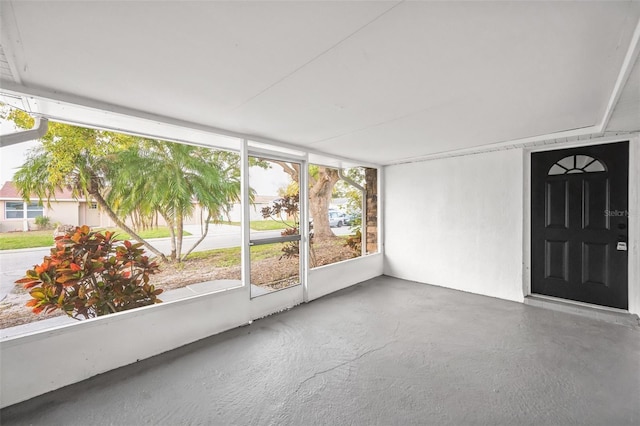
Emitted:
pixel 556 260
pixel 595 263
pixel 274 237
pixel 579 215
pixel 557 204
pixel 595 196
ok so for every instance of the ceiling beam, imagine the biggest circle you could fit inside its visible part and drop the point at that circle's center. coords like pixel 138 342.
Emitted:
pixel 623 76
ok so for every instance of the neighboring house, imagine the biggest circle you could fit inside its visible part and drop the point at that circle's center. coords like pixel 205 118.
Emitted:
pixel 259 202
pixel 19 215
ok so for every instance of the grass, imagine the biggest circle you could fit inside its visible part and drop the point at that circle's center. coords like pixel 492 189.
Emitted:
pixel 231 256
pixel 18 240
pixel 265 225
pixel 33 239
pixel 159 232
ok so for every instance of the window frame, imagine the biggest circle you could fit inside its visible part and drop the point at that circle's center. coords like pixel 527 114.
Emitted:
pixel 26 210
pixel 14 210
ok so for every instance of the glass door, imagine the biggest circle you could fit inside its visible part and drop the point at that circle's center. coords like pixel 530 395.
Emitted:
pixel 275 243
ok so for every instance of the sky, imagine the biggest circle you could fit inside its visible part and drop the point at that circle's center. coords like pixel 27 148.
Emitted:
pixel 267 182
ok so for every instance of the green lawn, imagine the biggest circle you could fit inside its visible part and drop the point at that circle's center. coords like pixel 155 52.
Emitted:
pixel 160 232
pixel 17 240
pixel 31 239
pixel 231 256
pixel 265 225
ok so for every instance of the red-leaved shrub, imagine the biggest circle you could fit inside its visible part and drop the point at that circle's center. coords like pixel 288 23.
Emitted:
pixel 90 274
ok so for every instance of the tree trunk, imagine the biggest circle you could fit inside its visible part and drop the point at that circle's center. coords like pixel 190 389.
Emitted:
pixel 180 230
pixel 320 200
pixel 122 225
pixel 319 196
pixel 172 233
pixel 205 231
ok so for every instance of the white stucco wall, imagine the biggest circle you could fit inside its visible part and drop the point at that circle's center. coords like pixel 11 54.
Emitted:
pixel 463 222
pixel 330 278
pixel 65 213
pixel 123 338
pixel 457 222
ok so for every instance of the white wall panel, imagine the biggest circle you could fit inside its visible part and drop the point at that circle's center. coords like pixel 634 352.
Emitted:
pixel 37 363
pixel 330 278
pixel 457 222
pixel 46 360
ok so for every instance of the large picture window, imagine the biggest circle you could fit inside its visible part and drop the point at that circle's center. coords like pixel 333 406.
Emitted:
pixel 182 200
pixel 344 213
pixel 16 210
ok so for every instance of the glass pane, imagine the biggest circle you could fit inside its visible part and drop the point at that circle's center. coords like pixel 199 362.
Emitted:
pixel 567 162
pixel 12 205
pixel 371 220
pixel 34 210
pixel 274 213
pixel 582 160
pixel 596 166
pixel 201 189
pixel 13 210
pixel 575 171
pixel 556 170
pixel 274 267
pixel 14 214
pixel 350 229
pixel 336 220
pixel 34 206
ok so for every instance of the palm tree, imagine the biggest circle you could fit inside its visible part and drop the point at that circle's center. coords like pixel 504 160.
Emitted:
pixel 170 179
pixel 75 158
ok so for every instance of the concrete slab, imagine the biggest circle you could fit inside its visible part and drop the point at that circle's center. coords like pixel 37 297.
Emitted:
pixel 384 352
pixel 615 316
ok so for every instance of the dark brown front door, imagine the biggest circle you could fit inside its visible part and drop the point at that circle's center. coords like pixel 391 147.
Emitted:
pixel 579 224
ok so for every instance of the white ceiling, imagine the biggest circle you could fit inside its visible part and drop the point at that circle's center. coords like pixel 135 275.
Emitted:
pixel 372 80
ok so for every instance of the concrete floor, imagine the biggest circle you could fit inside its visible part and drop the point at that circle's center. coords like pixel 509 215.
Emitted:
pixel 385 352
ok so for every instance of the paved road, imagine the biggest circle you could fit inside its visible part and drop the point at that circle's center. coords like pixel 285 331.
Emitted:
pixel 14 263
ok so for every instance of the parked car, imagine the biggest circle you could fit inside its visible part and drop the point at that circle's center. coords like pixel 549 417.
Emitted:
pixel 337 218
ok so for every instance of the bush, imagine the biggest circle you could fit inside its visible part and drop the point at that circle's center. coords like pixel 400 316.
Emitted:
pixel 43 222
pixel 91 274
pixel 354 242
pixel 290 205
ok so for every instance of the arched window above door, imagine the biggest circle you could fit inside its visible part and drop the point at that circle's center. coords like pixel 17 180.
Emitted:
pixel 576 164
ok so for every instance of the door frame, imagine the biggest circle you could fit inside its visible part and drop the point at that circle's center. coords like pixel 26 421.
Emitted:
pixel 633 266
pixel 294 295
